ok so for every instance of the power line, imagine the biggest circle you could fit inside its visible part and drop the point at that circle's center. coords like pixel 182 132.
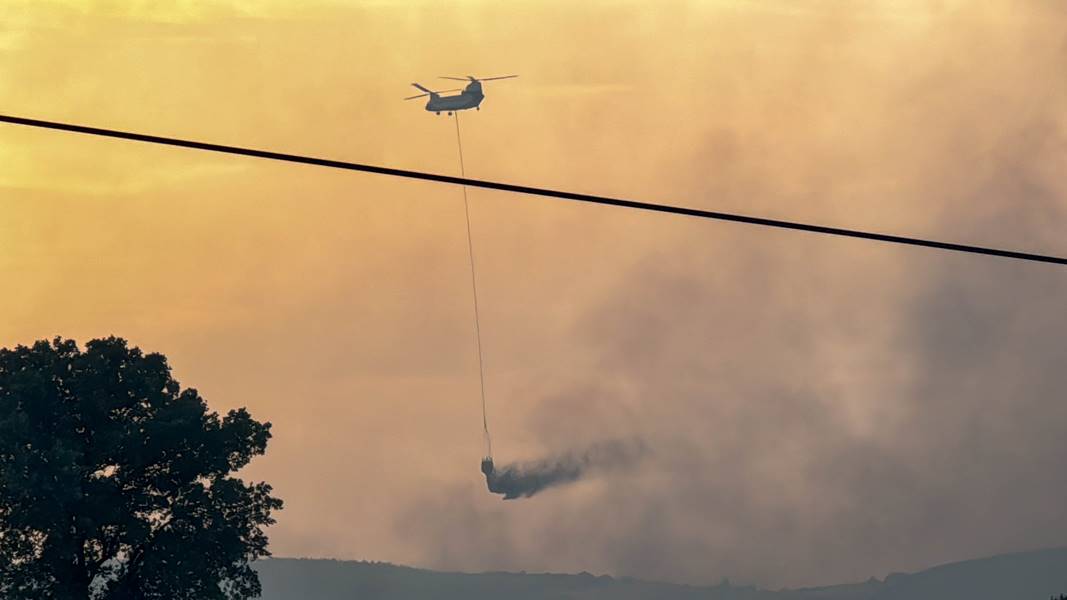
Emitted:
pixel 522 189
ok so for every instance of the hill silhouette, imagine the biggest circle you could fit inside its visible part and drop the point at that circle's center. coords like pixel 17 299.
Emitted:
pixel 1038 575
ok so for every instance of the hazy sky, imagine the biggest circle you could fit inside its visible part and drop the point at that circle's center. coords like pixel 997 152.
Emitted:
pixel 817 410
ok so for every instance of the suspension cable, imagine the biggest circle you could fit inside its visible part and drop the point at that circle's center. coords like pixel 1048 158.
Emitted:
pixel 474 293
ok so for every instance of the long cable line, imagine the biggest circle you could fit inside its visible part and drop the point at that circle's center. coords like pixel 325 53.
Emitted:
pixel 522 189
pixel 474 293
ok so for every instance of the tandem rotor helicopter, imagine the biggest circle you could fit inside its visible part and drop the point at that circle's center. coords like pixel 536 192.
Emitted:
pixel 469 97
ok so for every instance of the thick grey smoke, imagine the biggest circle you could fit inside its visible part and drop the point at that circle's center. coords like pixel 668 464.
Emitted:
pixel 825 410
pixel 524 479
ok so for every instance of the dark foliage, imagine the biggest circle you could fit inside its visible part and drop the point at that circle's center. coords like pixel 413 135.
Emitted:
pixel 116 483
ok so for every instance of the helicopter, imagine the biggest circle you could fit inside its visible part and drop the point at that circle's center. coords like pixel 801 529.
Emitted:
pixel 469 97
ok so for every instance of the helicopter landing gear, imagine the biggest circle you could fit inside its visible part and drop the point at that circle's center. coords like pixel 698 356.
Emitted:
pixel 450 114
pixel 477 108
pixel 438 112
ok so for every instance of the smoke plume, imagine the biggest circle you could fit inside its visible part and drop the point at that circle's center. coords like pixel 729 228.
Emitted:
pixel 524 479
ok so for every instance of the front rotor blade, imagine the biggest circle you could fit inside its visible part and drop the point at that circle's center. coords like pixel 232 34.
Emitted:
pixel 454 78
pixel 421 95
pixel 501 77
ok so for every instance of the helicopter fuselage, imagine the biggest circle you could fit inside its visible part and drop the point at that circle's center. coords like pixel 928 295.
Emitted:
pixel 471 97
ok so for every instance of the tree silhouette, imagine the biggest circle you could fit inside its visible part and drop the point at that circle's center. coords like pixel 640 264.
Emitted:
pixel 116 483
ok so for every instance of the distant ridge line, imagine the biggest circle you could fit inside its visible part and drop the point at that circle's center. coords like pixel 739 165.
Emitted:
pixel 1020 575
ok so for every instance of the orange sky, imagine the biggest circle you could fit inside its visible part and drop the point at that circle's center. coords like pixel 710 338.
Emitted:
pixel 336 305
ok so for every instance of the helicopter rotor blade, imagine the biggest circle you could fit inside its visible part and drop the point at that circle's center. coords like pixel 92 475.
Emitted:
pixel 428 93
pixel 473 78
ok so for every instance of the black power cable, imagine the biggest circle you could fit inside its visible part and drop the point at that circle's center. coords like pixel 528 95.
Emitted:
pixel 522 189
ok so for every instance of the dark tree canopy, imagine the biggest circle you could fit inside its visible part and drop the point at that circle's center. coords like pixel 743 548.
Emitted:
pixel 117 483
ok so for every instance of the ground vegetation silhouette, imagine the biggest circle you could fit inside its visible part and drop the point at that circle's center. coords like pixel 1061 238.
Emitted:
pixel 117 483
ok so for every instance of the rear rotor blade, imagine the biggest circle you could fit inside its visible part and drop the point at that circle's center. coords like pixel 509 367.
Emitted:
pixel 500 77
pixel 454 78
pixel 413 97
